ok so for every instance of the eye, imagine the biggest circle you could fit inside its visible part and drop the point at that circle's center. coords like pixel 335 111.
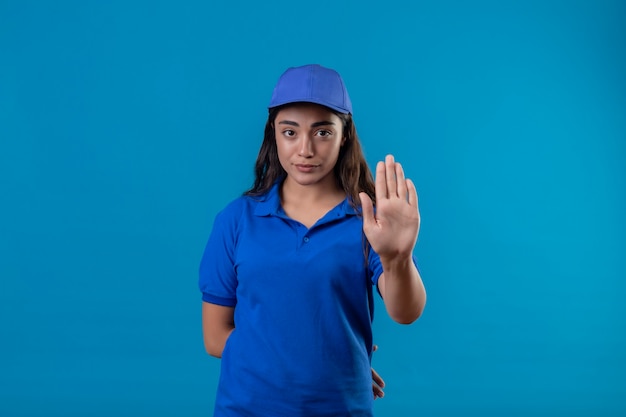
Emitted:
pixel 289 133
pixel 324 133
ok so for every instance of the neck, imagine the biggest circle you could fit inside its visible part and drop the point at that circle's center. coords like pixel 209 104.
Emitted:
pixel 314 194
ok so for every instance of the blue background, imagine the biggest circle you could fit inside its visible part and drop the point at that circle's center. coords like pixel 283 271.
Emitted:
pixel 125 127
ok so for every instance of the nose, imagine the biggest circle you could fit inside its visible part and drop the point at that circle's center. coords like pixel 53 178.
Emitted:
pixel 306 147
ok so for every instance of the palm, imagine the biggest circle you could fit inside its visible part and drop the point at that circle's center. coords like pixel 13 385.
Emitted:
pixel 393 230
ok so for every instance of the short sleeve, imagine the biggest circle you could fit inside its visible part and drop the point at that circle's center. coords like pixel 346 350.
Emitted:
pixel 374 264
pixel 218 278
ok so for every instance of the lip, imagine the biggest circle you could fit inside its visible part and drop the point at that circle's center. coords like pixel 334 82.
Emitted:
pixel 306 167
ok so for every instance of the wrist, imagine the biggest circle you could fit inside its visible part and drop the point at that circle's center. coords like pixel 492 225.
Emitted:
pixel 400 262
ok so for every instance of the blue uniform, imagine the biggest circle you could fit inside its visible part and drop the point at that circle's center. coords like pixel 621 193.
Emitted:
pixel 303 303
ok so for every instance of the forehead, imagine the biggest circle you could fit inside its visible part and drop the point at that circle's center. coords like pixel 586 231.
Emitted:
pixel 307 112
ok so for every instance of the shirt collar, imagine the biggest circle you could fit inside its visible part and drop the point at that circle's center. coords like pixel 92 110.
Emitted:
pixel 269 203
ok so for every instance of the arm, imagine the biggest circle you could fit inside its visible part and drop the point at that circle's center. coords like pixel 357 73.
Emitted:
pixel 402 290
pixel 392 232
pixel 217 324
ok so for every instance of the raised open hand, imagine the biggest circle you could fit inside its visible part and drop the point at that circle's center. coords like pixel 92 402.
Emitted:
pixel 392 230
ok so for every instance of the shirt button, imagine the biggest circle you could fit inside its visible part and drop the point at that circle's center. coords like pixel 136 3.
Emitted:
pixel 306 239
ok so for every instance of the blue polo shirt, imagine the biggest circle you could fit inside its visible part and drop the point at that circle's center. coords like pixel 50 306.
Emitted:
pixel 303 303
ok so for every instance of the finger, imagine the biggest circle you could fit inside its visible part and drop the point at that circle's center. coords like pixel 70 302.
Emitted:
pixel 378 392
pixel 401 182
pixel 367 208
pixel 374 348
pixel 377 379
pixel 412 194
pixel 390 173
pixel 381 182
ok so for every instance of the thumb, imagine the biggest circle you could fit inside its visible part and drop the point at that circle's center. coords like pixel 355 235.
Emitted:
pixel 368 209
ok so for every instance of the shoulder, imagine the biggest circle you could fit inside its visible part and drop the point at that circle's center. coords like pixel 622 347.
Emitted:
pixel 242 207
pixel 237 207
pixel 245 208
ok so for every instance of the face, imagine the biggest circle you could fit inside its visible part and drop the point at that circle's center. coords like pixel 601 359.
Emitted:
pixel 308 140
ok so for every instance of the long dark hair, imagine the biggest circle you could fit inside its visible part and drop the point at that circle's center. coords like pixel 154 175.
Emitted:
pixel 351 171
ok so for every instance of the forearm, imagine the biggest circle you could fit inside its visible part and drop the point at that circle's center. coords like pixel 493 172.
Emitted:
pixel 217 325
pixel 215 342
pixel 402 289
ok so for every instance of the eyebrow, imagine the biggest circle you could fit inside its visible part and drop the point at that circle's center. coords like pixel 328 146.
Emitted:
pixel 316 124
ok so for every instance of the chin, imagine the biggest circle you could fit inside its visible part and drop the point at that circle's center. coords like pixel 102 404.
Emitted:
pixel 305 179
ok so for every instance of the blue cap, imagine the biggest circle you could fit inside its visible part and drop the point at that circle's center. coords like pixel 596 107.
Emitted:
pixel 312 84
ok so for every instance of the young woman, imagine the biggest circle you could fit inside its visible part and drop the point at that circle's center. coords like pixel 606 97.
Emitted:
pixel 288 273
